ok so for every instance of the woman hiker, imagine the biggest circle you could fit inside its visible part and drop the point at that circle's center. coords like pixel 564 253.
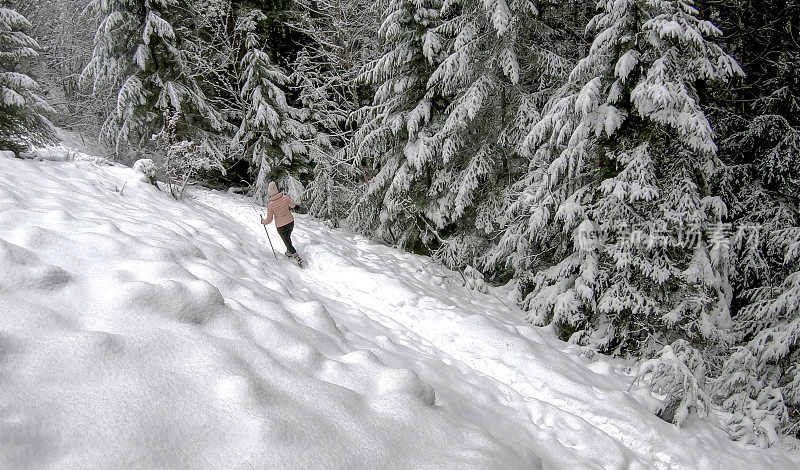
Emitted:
pixel 279 207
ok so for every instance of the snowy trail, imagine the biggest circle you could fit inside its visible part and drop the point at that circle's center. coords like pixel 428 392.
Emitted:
pixel 140 332
pixel 573 414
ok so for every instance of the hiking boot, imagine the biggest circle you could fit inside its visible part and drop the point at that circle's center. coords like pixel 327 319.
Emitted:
pixel 288 255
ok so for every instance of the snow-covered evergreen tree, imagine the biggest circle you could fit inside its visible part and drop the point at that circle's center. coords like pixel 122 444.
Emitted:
pixel 329 104
pixel 141 50
pixel 447 118
pixel 758 115
pixel 66 37
pixel 678 372
pixel 273 134
pixel 760 383
pixel 316 94
pixel 341 40
pixel 387 143
pixel 22 120
pixel 498 68
pixel 615 212
pixel 760 121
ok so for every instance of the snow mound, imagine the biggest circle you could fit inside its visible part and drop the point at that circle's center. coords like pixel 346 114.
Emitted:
pixel 147 170
pixel 22 271
pixel 143 332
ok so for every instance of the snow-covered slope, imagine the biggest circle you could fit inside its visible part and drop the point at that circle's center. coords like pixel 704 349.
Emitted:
pixel 142 332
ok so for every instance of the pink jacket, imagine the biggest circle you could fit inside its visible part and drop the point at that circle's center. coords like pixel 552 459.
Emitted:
pixel 278 208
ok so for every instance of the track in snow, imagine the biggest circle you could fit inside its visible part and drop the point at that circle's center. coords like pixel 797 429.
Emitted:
pixel 543 397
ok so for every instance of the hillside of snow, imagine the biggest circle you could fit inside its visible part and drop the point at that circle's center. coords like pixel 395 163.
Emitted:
pixel 138 331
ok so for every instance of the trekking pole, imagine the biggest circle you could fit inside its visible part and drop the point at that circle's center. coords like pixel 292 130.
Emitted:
pixel 270 240
pixel 265 227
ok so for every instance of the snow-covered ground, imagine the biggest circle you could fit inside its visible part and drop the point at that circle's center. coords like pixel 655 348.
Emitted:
pixel 138 331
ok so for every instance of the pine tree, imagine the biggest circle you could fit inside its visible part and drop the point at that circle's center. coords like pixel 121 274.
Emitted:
pixel 758 114
pixel 141 50
pixel 66 38
pixel 759 117
pixel 274 134
pixel 496 69
pixel 615 212
pixel 341 40
pixel 759 384
pixel 387 142
pixel 679 373
pixel 341 37
pixel 328 103
pixel 446 147
pixel 22 120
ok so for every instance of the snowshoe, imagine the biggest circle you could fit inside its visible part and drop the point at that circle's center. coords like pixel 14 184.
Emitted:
pixel 298 260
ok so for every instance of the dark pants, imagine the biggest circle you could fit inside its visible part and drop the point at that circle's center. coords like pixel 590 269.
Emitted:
pixel 286 235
